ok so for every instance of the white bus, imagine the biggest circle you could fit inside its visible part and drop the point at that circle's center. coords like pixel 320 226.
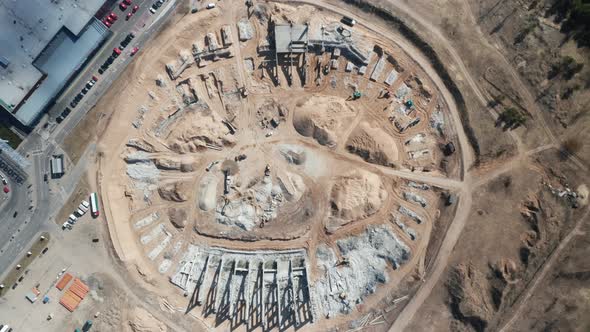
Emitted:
pixel 94 207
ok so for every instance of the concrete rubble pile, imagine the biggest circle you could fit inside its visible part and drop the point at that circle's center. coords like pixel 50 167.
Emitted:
pixel 344 284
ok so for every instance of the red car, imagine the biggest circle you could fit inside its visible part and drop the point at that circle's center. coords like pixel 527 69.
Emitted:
pixel 117 51
pixel 127 2
pixel 135 8
pixel 6 190
pixel 123 6
pixel 128 16
pixel 135 49
pixel 113 16
pixel 106 22
pixel 110 20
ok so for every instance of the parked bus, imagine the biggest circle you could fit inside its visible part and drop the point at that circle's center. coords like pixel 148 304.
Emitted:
pixel 94 208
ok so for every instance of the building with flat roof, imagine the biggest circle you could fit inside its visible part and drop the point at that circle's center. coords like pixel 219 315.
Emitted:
pixel 57 166
pixel 42 45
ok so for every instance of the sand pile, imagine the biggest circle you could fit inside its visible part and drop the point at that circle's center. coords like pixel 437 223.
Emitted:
pixel 293 154
pixel 196 130
pixel 369 256
pixel 208 192
pixel 322 118
pixel 373 144
pixel 175 192
pixel 178 217
pixel 292 185
pixel 355 196
pixel 142 321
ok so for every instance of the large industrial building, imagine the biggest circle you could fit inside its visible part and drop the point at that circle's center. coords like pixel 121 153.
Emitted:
pixel 43 43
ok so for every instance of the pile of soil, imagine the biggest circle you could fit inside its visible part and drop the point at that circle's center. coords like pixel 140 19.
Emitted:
pixel 322 118
pixel 355 196
pixel 142 321
pixel 270 114
pixel 174 192
pixel 178 217
pixel 193 131
pixel 373 144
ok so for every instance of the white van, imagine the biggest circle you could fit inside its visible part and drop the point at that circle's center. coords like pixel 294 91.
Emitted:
pixel 5 328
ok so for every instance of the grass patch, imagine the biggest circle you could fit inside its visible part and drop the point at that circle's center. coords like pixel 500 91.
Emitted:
pixel 81 193
pixel 6 134
pixel 14 274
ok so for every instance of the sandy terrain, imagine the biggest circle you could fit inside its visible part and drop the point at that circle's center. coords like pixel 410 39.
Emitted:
pixel 212 144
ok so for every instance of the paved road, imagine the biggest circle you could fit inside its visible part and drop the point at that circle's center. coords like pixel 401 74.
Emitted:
pixel 42 142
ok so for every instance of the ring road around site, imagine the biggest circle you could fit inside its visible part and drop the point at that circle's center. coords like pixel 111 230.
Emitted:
pixel 280 167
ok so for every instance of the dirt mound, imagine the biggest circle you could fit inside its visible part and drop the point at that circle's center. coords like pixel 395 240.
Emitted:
pixel 322 118
pixel 178 217
pixel 471 299
pixel 142 321
pixel 373 144
pixel 270 114
pixel 167 164
pixel 355 196
pixel 196 130
pixel 175 192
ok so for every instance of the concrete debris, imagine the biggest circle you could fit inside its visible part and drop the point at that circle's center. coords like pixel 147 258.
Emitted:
pixel 407 212
pixel 245 30
pixel 408 230
pixel 155 232
pixel 378 69
pixel 567 194
pixel 258 204
pixel 421 186
pixel 154 253
pixel 369 255
pixel 437 120
pixel 402 91
pixel 144 172
pixel 413 197
pixel 147 220
pixel 226 36
pixel 160 81
pixel 140 144
pixel 391 77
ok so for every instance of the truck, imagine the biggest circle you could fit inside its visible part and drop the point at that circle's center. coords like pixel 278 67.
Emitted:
pixel 94 207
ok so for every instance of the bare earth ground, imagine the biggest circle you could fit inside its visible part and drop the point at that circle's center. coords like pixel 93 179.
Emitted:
pixel 512 259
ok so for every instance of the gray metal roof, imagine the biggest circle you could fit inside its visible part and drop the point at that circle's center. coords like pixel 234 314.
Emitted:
pixel 60 60
pixel 26 27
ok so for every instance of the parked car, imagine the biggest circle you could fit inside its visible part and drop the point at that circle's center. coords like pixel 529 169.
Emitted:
pixel 127 2
pixel 113 16
pixel 210 5
pixel 135 49
pixel 116 51
pixel 135 8
pixel 128 16
pixel 123 6
pixel 94 79
pixel 73 103
pixel 66 111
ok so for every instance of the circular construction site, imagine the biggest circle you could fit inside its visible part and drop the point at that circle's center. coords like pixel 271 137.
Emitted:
pixel 269 167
